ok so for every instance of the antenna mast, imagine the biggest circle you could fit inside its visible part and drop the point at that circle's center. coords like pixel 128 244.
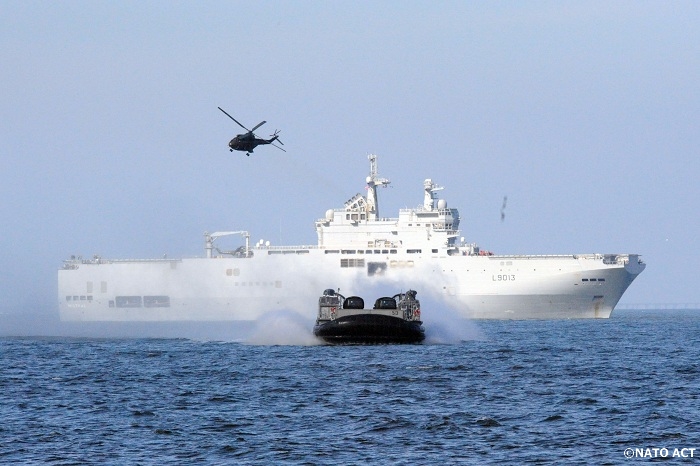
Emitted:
pixel 373 180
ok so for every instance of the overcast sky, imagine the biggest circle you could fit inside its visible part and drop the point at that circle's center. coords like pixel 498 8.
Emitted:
pixel 585 114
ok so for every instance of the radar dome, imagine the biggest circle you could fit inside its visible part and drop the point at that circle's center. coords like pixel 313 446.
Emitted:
pixel 442 204
pixel 329 214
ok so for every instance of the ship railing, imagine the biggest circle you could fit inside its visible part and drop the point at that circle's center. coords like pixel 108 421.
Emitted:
pixel 421 208
pixel 383 219
pixel 263 248
pixel 611 259
pixel 69 264
pixel 608 259
pixel 527 256
pixel 165 259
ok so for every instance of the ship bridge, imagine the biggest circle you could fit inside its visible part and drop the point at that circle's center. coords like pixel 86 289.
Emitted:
pixel 431 226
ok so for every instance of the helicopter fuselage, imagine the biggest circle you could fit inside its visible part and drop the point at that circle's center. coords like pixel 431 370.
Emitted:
pixel 247 142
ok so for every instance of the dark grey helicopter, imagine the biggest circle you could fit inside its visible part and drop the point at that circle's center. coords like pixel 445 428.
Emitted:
pixel 249 141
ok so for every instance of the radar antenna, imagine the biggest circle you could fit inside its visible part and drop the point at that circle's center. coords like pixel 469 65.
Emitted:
pixel 430 194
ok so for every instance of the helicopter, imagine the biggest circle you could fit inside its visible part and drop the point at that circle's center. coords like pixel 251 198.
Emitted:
pixel 249 141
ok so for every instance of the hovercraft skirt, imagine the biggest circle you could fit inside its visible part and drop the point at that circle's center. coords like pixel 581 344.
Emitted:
pixel 370 329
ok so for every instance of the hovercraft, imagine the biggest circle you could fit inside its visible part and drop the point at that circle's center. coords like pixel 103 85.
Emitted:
pixel 395 319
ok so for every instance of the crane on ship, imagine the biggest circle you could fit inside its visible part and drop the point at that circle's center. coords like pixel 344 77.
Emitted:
pixel 243 251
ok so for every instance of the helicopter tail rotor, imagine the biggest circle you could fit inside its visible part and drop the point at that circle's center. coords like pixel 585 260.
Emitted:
pixel 275 135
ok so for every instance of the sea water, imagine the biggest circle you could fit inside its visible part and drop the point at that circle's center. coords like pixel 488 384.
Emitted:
pixel 611 391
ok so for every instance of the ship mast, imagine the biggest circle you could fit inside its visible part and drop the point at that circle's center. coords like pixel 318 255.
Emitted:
pixel 430 194
pixel 373 180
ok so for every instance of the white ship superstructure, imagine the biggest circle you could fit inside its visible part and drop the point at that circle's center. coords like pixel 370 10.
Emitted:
pixel 356 249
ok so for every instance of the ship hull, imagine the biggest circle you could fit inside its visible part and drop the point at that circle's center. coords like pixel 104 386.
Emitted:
pixel 244 289
pixel 370 329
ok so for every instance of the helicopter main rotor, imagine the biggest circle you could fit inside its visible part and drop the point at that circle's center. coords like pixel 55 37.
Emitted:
pixel 239 124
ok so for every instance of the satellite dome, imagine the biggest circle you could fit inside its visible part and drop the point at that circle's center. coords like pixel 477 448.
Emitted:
pixel 442 204
pixel 329 214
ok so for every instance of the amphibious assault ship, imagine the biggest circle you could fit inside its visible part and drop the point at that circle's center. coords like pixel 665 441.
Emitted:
pixel 356 249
